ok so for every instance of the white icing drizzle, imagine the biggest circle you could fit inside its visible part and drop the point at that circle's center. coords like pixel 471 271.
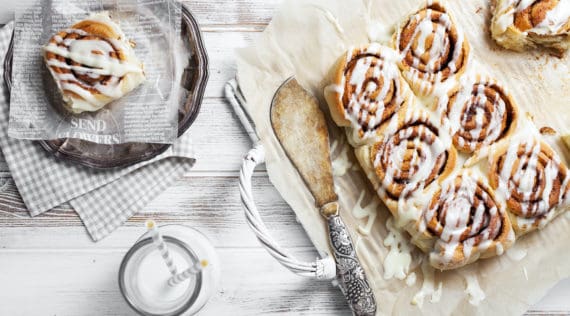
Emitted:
pixel 398 260
pixel 520 178
pixel 369 212
pixel 476 294
pixel 435 31
pixel 554 20
pixel 428 287
pixel 331 18
pixel 463 218
pixel 525 272
pixel 428 146
pixel 341 163
pixel 92 58
pixel 411 279
pixel 374 85
pixel 475 119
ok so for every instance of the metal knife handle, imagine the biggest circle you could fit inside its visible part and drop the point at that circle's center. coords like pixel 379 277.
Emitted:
pixel 351 276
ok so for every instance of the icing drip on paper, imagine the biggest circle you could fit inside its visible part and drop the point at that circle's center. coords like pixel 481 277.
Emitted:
pixel 411 279
pixel 341 163
pixel 398 260
pixel 330 18
pixel 525 272
pixel 476 294
pixel 428 287
pixel 516 253
pixel 369 212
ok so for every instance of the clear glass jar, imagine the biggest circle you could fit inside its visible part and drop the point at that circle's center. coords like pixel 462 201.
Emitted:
pixel 143 275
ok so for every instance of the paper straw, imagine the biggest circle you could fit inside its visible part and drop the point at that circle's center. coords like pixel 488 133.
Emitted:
pixel 194 269
pixel 161 245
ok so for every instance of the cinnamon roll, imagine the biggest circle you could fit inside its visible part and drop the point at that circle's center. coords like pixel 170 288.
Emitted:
pixel 479 112
pixel 92 63
pixel 413 154
pixel 518 24
pixel 466 221
pixel 533 180
pixel 366 91
pixel 432 48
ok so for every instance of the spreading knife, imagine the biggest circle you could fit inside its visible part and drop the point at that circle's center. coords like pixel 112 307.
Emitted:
pixel 300 126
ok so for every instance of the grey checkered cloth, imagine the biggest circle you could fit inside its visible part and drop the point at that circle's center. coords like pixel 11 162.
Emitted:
pixel 103 199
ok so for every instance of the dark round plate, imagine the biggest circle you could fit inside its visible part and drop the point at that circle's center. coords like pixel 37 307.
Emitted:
pixel 101 156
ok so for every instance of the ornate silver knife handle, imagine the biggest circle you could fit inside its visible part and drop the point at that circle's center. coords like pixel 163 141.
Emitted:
pixel 351 276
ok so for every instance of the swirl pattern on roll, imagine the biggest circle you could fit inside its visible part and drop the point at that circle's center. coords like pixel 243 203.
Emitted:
pixel 92 63
pixel 431 47
pixel 412 155
pixel 479 113
pixel 467 222
pixel 368 89
pixel 533 180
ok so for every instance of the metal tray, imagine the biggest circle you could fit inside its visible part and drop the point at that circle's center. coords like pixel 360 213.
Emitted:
pixel 102 156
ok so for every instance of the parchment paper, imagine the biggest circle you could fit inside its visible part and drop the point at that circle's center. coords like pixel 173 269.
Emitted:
pixel 304 39
pixel 148 114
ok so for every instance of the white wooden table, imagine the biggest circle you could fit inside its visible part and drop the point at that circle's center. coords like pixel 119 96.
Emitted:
pixel 49 265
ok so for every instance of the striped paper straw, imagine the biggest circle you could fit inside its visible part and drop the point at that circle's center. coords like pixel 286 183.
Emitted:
pixel 194 269
pixel 161 245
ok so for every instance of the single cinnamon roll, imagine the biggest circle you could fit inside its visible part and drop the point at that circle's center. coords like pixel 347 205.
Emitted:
pixel 479 112
pixel 466 221
pixel 518 24
pixel 432 48
pixel 366 91
pixel 92 63
pixel 413 154
pixel 534 181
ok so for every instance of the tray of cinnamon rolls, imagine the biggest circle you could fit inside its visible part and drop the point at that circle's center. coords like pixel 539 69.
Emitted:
pixel 113 86
pixel 444 145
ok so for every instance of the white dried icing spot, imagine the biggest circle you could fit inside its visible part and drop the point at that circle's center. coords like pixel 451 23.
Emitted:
pixel 378 32
pixel 369 212
pixel 525 273
pixel 398 260
pixel 476 294
pixel 428 286
pixel 411 279
pixel 341 163
pixel 516 253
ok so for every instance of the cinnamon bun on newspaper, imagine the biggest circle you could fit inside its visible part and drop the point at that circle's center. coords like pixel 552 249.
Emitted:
pixel 366 91
pixel 533 180
pixel 432 48
pixel 92 63
pixel 522 24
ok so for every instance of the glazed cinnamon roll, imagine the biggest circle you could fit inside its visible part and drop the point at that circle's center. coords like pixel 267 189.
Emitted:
pixel 534 181
pixel 92 63
pixel 366 91
pixel 479 112
pixel 413 154
pixel 432 48
pixel 519 24
pixel 467 223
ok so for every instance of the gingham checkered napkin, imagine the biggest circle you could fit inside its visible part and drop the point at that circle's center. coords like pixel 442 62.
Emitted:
pixel 103 199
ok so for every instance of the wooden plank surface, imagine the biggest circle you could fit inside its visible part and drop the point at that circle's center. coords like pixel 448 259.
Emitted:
pixel 49 266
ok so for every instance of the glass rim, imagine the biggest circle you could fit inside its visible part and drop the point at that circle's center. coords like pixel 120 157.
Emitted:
pixel 137 246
